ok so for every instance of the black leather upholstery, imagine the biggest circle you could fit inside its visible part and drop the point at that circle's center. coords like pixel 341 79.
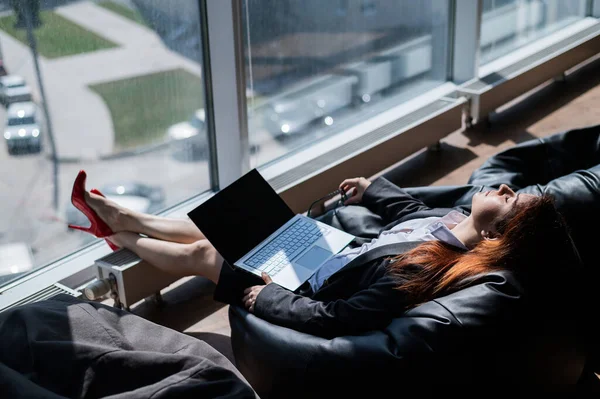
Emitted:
pixel 566 166
pixel 537 162
pixel 484 333
pixel 478 335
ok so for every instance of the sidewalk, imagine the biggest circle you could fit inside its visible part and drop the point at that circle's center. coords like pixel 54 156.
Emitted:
pixel 140 42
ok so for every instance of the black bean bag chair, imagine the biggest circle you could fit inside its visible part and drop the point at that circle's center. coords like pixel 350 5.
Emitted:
pixel 485 333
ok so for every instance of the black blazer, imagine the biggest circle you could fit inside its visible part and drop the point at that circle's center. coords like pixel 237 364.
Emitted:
pixel 361 296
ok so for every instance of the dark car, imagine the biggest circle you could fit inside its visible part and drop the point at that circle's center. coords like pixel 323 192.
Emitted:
pixel 133 195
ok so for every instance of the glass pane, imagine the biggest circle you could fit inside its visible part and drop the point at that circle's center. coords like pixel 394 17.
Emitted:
pixel 315 68
pixel 510 24
pixel 123 88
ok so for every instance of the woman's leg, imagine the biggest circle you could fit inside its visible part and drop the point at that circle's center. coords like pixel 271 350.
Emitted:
pixel 169 229
pixel 198 258
pixel 121 219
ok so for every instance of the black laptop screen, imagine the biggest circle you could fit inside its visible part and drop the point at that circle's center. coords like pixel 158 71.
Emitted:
pixel 241 215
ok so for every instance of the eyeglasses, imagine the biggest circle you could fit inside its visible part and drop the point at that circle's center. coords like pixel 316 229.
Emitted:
pixel 332 194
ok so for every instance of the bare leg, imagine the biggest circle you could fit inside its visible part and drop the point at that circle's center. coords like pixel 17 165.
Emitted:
pixel 122 219
pixel 168 229
pixel 199 258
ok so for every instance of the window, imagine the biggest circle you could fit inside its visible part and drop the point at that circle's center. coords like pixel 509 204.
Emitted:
pixel 314 68
pixel 509 24
pixel 124 91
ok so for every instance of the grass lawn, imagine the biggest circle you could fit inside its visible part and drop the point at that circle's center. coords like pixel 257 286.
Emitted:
pixel 143 107
pixel 124 11
pixel 57 37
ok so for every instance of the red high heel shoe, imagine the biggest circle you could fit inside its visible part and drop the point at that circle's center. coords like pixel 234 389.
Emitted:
pixel 110 243
pixel 97 226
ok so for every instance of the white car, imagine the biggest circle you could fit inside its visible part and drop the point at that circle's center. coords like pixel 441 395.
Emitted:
pixel 13 89
pixel 23 130
pixel 313 102
pixel 189 138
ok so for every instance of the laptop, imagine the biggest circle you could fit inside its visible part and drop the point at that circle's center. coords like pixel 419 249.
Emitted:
pixel 254 230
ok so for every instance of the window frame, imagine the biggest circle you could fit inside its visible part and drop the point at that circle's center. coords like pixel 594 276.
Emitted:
pixel 465 49
pixel 594 8
pixel 226 85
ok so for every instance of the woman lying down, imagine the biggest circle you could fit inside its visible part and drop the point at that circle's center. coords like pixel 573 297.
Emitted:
pixel 504 231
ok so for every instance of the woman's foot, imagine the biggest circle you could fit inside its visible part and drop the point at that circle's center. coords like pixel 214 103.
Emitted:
pixel 115 216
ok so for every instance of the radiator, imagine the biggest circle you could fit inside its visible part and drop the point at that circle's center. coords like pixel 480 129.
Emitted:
pixel 125 277
pixel 43 294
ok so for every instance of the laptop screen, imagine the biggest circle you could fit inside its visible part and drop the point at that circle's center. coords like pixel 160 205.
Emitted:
pixel 240 216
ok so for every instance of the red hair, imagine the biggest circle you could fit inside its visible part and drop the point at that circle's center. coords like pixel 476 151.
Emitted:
pixel 534 234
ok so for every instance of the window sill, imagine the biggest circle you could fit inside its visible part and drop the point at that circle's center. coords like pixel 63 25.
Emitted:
pixel 78 264
pixel 288 163
pixel 367 147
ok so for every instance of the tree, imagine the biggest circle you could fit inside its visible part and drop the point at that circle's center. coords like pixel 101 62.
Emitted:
pixel 21 7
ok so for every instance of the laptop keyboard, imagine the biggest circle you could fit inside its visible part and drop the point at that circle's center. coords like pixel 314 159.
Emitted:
pixel 279 252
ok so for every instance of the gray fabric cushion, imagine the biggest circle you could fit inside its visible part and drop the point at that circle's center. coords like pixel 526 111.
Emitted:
pixel 65 347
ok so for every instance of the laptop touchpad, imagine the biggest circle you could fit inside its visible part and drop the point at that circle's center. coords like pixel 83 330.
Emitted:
pixel 314 257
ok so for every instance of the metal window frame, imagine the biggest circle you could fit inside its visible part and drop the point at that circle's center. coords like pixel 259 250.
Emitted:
pixel 225 67
pixel 465 38
pixel 594 8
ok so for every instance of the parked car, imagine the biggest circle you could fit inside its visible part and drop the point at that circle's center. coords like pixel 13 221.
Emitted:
pixel 188 139
pixel 13 89
pixel 311 102
pixel 318 100
pixel 24 128
pixel 130 194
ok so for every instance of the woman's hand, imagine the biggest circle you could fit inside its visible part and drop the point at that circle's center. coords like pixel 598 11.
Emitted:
pixel 251 293
pixel 358 185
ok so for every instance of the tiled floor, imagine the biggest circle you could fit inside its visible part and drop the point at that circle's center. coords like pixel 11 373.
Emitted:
pixel 557 107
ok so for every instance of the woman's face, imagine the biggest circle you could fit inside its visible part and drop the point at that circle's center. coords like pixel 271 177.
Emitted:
pixel 490 206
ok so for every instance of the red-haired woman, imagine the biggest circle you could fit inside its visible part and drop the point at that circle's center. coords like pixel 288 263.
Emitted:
pixel 422 254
